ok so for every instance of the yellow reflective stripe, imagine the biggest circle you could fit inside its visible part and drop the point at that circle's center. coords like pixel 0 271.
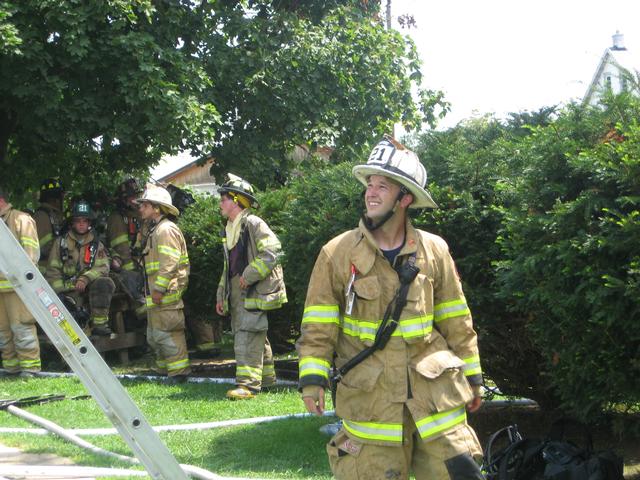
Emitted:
pixel 26 364
pixel 152 267
pixel 91 274
pixel 268 370
pixel 268 243
pixel 178 365
pixel 435 424
pixel 247 371
pixel 167 299
pixel 119 240
pixel 56 284
pixel 184 260
pixel 260 304
pixel 472 366
pixel 321 314
pixel 388 432
pixel 161 363
pixel 162 281
pixel 408 327
pixel 129 266
pixel 171 252
pixel 29 242
pixel 260 267
pixel 453 308
pixel 46 239
pixel 13 362
pixel 55 263
pixel 5 285
pixel 99 319
pixel 314 366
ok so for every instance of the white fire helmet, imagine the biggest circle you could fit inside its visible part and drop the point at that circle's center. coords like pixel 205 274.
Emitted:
pixel 391 159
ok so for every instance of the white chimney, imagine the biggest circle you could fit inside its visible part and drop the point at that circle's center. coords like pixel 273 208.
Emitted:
pixel 618 41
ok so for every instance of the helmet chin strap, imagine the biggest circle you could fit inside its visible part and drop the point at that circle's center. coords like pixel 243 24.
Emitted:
pixel 371 226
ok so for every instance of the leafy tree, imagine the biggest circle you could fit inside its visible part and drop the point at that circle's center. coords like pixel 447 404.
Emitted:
pixel 283 78
pixel 88 88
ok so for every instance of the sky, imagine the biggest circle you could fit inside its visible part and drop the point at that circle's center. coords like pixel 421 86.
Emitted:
pixel 501 56
pixel 507 56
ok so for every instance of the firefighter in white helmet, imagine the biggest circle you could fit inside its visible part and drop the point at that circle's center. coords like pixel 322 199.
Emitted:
pixel 166 265
pixel 18 335
pixel 385 305
pixel 251 284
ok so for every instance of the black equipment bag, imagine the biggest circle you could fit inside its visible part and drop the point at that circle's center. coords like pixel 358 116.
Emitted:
pixel 508 456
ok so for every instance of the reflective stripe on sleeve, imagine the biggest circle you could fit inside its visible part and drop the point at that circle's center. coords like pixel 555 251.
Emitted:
pixel 321 314
pixel 314 366
pixel 472 366
pixel 453 308
pixel 435 424
pixel 169 251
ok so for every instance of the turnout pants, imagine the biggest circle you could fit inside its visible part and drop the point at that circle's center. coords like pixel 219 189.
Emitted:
pixel 202 333
pixel 165 335
pixel 254 358
pixel 98 295
pixel 18 335
pixel 448 457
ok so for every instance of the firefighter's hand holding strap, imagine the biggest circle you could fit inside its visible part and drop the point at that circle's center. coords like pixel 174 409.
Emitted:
pixel 313 398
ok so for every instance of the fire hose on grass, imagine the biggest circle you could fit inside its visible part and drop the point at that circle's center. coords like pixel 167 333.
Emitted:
pixel 193 471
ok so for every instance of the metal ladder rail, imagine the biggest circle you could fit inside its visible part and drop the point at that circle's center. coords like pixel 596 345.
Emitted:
pixel 84 360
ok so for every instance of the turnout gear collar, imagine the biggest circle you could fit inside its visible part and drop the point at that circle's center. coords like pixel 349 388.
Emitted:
pixel 240 191
pixel 234 228
pixel 391 159
pixel 158 196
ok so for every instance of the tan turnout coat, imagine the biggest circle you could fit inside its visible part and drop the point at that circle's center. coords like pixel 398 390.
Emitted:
pixel 429 362
pixel 166 264
pixel 263 272
pixel 23 228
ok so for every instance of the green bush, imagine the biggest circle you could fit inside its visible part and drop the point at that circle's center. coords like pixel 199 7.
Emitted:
pixel 201 224
pixel 543 221
pixel 322 204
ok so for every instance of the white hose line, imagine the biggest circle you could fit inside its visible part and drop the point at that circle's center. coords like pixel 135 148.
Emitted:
pixel 196 472
pixel 170 428
pixel 160 378
pixel 65 471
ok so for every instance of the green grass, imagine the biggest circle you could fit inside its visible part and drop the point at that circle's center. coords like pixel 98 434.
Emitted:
pixel 287 449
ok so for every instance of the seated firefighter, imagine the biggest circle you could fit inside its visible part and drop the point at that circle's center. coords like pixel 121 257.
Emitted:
pixel 123 238
pixel 78 270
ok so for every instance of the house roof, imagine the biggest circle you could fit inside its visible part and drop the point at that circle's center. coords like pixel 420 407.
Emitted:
pixel 623 59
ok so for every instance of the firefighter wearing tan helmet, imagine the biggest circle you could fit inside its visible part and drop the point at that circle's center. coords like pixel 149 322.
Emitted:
pixel 386 307
pixel 166 265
